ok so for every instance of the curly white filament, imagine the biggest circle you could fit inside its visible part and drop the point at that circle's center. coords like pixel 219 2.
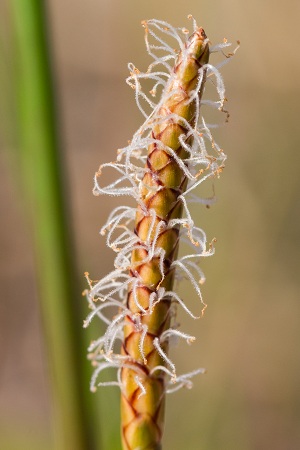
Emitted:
pixel 205 160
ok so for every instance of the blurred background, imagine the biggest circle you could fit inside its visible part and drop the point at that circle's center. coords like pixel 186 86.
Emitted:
pixel 249 337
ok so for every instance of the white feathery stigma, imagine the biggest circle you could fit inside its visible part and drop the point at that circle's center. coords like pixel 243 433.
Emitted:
pixel 205 161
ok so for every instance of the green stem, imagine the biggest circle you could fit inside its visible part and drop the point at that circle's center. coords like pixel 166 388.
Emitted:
pixel 40 165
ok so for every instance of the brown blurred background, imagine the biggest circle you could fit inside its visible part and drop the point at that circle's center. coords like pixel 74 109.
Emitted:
pixel 249 337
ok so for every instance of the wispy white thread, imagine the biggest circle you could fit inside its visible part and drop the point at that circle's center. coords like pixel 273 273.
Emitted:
pixel 198 167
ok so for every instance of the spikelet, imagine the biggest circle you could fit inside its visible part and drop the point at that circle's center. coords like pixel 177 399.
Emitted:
pixel 169 156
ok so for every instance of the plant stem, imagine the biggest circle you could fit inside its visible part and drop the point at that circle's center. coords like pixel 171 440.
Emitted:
pixel 41 170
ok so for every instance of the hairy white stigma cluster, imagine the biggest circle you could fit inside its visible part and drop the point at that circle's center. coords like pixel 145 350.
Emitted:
pixel 107 297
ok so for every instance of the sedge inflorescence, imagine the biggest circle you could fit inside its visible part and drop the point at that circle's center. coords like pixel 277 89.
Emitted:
pixel 118 299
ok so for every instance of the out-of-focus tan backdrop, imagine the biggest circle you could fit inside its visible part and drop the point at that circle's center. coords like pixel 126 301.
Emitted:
pixel 249 337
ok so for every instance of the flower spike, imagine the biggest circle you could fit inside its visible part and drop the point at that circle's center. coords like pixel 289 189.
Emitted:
pixel 169 156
